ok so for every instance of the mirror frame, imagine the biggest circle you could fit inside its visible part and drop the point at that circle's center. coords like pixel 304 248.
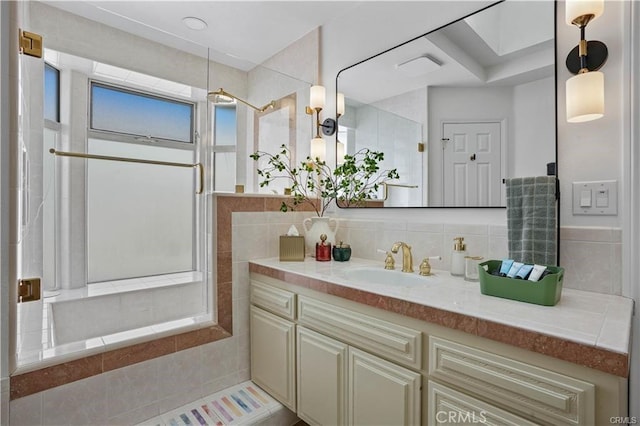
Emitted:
pixel 555 112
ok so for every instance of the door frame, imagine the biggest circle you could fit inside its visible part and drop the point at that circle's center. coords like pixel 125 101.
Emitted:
pixel 504 148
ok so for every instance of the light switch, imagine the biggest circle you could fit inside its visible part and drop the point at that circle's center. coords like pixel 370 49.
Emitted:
pixel 595 198
pixel 602 198
pixel 585 198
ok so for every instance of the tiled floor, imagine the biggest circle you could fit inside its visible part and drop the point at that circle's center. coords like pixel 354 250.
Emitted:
pixel 243 404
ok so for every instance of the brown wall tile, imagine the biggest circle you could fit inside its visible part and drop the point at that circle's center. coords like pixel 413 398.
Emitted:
pixel 57 375
pixel 133 354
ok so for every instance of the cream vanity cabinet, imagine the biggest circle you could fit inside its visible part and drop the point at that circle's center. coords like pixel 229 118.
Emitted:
pixel 334 362
pixel 336 376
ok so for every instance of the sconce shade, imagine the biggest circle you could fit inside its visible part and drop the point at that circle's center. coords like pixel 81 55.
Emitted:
pixel 577 8
pixel 585 97
pixel 318 149
pixel 340 151
pixel 340 104
pixel 316 97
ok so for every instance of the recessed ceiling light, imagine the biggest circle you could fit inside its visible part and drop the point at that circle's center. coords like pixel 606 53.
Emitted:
pixel 194 23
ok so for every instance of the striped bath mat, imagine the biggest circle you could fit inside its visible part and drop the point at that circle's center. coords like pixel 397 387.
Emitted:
pixel 242 404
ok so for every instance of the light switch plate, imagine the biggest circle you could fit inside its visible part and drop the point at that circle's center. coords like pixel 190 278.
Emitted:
pixel 602 199
pixel 585 198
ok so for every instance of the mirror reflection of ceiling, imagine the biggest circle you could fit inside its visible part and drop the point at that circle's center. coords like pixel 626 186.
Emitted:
pixel 492 48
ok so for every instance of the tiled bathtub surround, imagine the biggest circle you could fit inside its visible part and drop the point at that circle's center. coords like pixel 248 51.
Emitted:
pixel 106 308
pixel 139 381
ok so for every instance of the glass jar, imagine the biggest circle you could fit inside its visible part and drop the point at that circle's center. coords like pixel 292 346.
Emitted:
pixel 471 272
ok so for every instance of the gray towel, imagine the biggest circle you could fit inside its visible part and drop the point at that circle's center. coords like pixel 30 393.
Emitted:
pixel 532 219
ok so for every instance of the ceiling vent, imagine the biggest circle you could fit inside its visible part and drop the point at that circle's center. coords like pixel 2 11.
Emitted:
pixel 419 66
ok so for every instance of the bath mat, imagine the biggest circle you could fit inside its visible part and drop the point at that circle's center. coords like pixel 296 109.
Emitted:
pixel 243 404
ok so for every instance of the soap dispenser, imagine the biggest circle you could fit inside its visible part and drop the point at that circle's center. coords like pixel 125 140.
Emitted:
pixel 457 257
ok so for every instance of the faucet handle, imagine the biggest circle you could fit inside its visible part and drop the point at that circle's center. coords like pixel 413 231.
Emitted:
pixel 389 262
pixel 425 267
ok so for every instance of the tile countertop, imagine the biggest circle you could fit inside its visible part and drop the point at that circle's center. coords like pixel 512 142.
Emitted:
pixel 587 328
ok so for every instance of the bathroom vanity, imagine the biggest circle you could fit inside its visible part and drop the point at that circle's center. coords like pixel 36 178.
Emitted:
pixel 340 345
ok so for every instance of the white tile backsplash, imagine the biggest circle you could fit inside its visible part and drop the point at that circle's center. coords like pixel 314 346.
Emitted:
pixel 591 256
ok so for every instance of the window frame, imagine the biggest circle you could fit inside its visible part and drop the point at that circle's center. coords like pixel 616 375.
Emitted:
pixel 222 149
pixel 53 124
pixel 135 138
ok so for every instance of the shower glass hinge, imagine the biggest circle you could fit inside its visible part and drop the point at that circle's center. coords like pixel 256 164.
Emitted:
pixel 28 290
pixel 30 43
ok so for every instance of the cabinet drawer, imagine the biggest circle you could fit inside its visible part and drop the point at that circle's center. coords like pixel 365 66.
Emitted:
pixel 450 407
pixel 391 341
pixel 275 300
pixel 543 394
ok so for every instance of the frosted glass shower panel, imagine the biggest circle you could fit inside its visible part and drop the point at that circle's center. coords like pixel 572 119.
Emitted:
pixel 140 216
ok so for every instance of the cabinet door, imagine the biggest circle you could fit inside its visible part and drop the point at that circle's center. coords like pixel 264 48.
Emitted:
pixel 380 392
pixel 322 366
pixel 272 355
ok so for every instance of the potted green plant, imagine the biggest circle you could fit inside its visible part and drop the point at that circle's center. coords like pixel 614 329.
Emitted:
pixel 351 184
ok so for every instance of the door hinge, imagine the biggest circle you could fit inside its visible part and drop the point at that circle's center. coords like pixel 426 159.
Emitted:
pixel 420 147
pixel 28 289
pixel 30 43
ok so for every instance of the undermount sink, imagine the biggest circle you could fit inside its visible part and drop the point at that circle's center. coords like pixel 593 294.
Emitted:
pixel 379 275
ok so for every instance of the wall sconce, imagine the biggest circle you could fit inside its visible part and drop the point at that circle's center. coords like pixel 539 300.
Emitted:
pixel 585 90
pixel 220 96
pixel 328 126
pixel 340 152
pixel 316 103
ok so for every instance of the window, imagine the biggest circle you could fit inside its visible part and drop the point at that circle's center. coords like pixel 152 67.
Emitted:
pixel 51 93
pixel 224 156
pixel 124 111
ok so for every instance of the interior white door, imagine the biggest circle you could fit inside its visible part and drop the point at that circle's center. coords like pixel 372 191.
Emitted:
pixel 472 164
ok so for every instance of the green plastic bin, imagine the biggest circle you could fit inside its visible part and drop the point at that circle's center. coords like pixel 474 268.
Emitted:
pixel 545 292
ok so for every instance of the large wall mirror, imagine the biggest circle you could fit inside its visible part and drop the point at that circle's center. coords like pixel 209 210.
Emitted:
pixel 459 109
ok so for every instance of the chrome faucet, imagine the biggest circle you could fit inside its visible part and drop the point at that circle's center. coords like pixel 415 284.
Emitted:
pixel 407 259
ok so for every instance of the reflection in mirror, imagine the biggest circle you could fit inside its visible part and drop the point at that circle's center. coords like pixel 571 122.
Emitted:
pixel 365 126
pixel 272 129
pixel 266 111
pixel 478 95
